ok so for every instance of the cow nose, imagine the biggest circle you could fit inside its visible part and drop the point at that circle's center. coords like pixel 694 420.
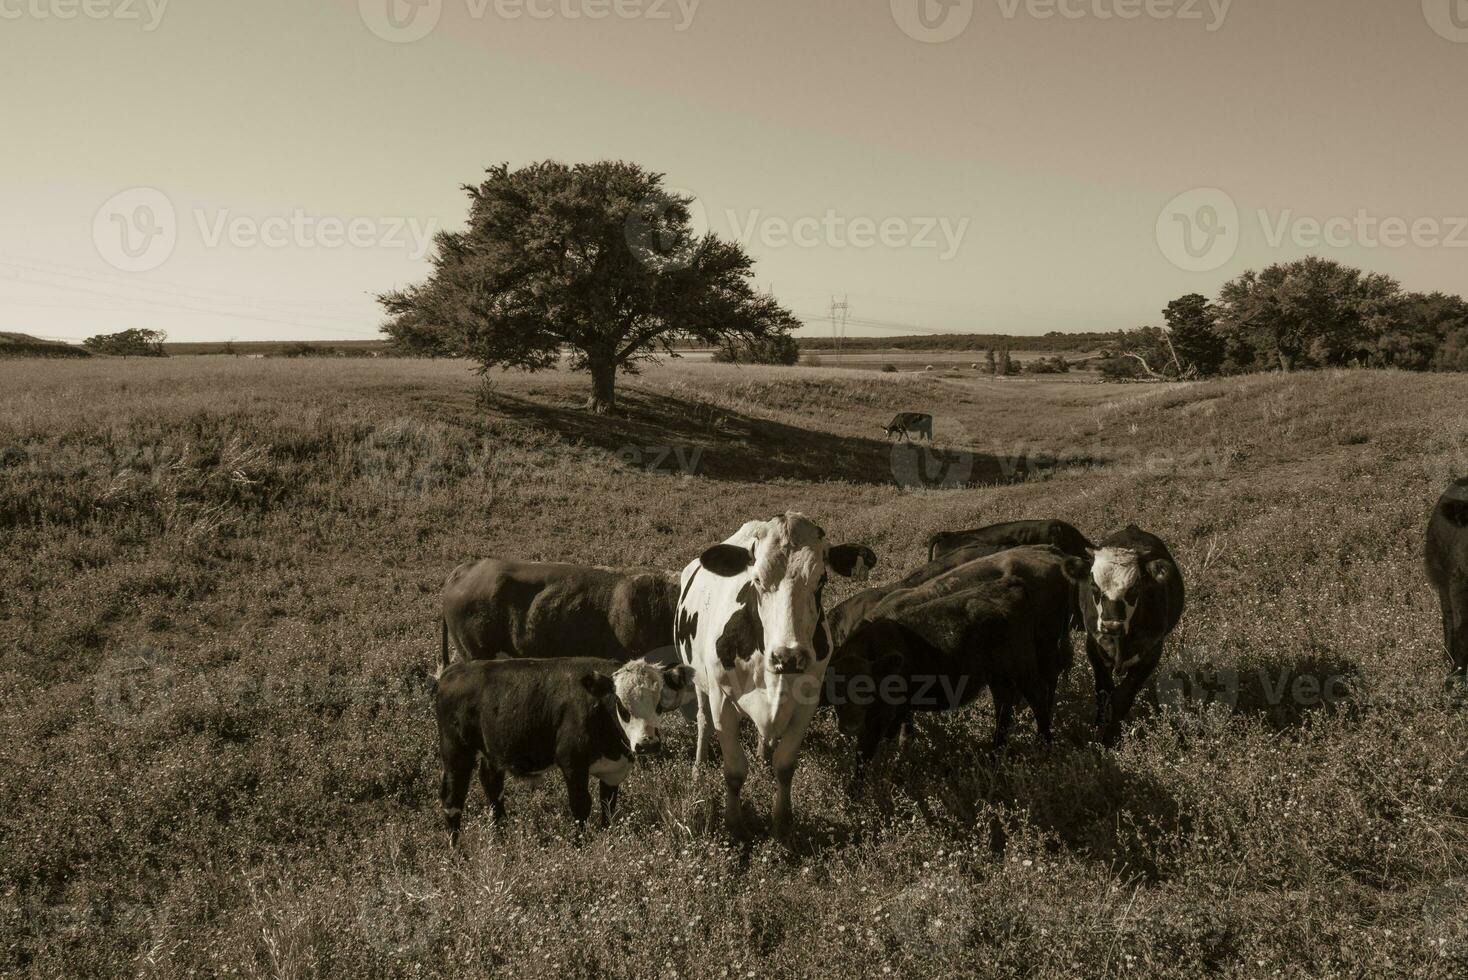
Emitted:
pixel 788 660
pixel 1112 627
pixel 649 747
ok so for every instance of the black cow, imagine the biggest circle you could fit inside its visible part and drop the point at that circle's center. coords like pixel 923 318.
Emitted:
pixel 539 609
pixel 1447 569
pixel 997 537
pixel 907 424
pixel 584 716
pixel 1131 600
pixel 1000 622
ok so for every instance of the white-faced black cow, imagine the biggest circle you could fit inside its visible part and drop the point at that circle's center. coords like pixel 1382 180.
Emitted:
pixel 905 425
pixel 751 623
pixel 997 537
pixel 540 609
pixel 1131 601
pixel 1447 568
pixel 1000 622
pixel 585 716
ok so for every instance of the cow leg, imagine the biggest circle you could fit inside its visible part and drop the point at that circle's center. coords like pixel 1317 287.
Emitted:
pixel 1004 698
pixel 867 744
pixel 493 781
pixel 784 760
pixel 705 736
pixel 1455 630
pixel 578 780
pixel 1040 696
pixel 608 802
pixel 458 766
pixel 1102 674
pixel 736 765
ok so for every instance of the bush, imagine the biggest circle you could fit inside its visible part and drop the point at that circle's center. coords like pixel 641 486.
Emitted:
pixel 1047 365
pixel 889 368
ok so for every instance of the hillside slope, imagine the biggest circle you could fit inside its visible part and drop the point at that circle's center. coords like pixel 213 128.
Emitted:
pixel 24 345
pixel 221 581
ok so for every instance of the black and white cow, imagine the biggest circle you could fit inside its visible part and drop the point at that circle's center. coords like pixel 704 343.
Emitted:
pixel 585 716
pixel 544 609
pixel 997 537
pixel 1131 601
pixel 1447 569
pixel 752 624
pixel 905 425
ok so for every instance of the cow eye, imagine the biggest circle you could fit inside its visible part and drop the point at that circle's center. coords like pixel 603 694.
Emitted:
pixel 623 713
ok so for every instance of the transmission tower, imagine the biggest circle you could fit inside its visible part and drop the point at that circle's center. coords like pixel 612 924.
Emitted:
pixel 839 312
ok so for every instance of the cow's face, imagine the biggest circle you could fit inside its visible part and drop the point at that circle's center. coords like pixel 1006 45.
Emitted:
pixel 1119 582
pixel 785 566
pixel 644 693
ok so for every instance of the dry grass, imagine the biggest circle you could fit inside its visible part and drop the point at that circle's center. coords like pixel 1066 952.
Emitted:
pixel 216 612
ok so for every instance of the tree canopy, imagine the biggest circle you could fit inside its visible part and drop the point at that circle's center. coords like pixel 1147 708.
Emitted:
pixel 128 343
pixel 598 260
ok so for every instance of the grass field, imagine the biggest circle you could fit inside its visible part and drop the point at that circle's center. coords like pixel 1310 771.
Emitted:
pixel 217 617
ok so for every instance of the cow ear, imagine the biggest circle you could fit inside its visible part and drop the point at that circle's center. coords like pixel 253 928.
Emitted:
pixel 597 684
pixel 1160 570
pixel 851 560
pixel 727 560
pixel 1078 569
pixel 678 688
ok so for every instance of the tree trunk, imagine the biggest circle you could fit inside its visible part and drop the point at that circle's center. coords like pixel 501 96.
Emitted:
pixel 603 400
pixel 1286 363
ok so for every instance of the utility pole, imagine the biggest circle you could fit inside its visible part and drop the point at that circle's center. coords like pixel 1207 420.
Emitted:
pixel 839 312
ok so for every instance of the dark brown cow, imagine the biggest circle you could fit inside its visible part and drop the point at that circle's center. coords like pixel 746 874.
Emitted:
pixel 910 633
pixel 1131 601
pixel 997 537
pixel 1447 569
pixel 536 609
pixel 907 424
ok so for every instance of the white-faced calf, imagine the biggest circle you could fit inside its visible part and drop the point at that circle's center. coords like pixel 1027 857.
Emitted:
pixel 1131 601
pixel 583 716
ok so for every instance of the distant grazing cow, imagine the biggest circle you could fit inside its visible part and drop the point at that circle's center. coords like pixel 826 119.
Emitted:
pixel 905 425
pixel 998 536
pixel 934 611
pixel 537 609
pixel 752 624
pixel 1447 568
pixel 1131 600
pixel 584 716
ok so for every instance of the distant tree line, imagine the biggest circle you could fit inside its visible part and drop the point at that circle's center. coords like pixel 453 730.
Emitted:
pixel 1314 313
pixel 1055 340
pixel 775 349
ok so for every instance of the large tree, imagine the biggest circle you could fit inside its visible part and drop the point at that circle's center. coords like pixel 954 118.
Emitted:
pixel 598 259
pixel 1310 313
pixel 128 343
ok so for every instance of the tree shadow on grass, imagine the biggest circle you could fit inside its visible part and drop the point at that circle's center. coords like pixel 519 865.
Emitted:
pixel 657 432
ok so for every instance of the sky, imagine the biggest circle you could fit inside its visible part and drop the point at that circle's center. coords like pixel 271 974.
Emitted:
pixel 260 171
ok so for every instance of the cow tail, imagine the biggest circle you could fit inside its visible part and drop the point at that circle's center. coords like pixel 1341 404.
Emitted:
pixel 933 545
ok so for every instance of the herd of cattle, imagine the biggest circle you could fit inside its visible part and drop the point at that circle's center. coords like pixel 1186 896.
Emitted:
pixel 993 609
